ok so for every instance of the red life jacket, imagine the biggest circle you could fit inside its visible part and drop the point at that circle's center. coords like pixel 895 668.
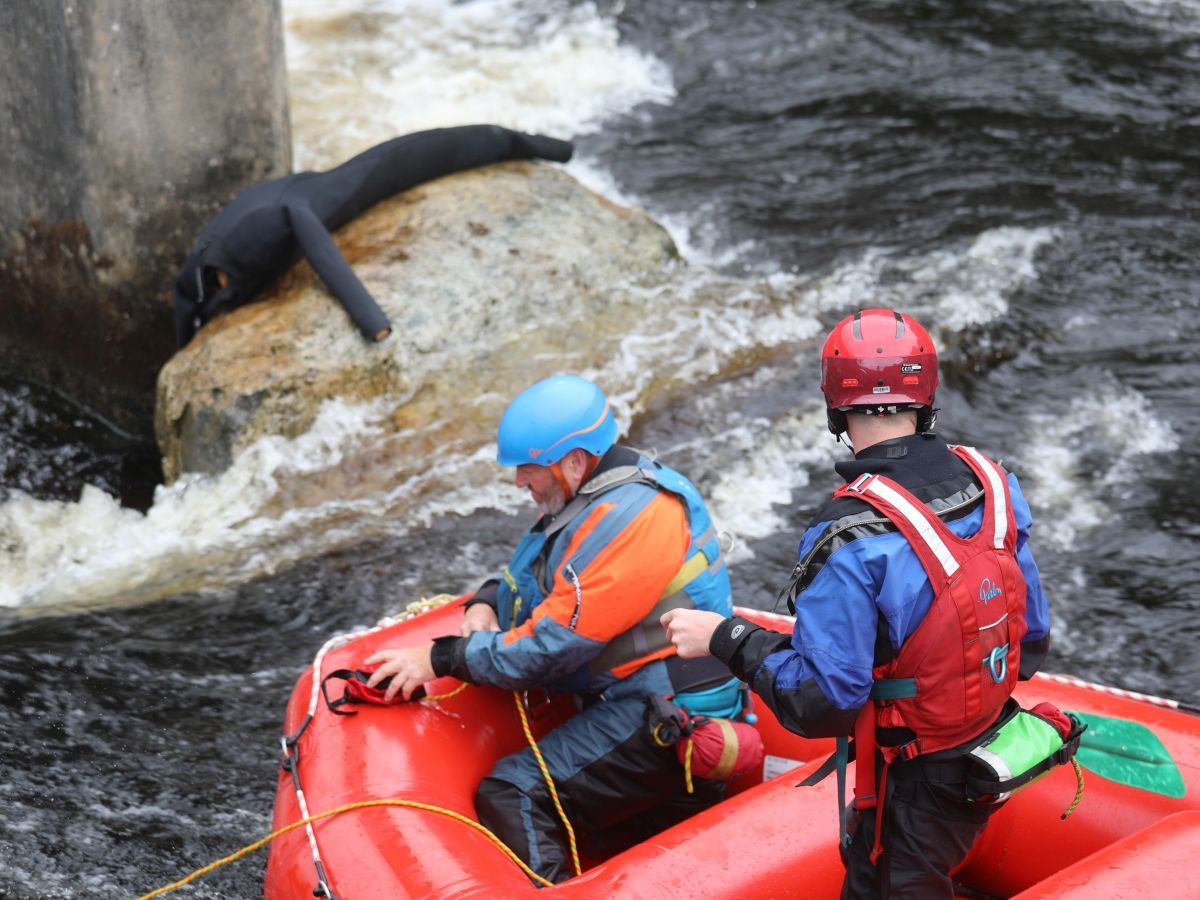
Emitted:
pixel 956 670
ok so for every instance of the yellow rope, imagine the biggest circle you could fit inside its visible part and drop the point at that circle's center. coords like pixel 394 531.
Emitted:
pixel 362 804
pixel 549 783
pixel 687 765
pixel 1078 789
pixel 454 693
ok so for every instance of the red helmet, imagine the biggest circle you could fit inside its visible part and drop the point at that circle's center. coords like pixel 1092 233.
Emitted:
pixel 878 360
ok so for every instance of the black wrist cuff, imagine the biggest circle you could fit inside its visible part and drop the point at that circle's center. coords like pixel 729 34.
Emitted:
pixel 449 657
pixel 729 637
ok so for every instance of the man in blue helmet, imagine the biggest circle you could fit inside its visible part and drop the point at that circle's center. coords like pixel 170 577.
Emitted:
pixel 620 540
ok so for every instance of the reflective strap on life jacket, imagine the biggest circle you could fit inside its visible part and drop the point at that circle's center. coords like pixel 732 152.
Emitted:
pixel 871 484
pixel 688 572
pixel 989 470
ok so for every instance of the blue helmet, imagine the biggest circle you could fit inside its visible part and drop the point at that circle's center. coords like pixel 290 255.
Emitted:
pixel 555 416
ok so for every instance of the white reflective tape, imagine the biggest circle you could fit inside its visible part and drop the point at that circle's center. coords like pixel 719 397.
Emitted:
pixel 998 765
pixel 999 498
pixel 918 521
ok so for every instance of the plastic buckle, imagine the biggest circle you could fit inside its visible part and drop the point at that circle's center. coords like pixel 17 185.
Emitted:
pixel 538 708
pixel 859 484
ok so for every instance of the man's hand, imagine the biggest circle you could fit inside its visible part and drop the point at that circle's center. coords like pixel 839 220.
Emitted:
pixel 409 668
pixel 478 617
pixel 690 630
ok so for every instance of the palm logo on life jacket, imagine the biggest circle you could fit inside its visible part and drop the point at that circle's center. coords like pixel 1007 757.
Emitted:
pixel 988 590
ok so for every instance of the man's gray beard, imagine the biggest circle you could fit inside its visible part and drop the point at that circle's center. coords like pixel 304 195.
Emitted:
pixel 555 504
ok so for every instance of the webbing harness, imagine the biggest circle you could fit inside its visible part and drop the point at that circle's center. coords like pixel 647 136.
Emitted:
pixel 847 751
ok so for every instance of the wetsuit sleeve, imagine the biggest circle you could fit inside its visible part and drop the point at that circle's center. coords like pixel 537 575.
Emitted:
pixel 817 681
pixel 1036 643
pixel 323 255
pixel 613 572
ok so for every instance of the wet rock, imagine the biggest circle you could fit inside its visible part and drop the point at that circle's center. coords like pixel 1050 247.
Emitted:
pixel 492 278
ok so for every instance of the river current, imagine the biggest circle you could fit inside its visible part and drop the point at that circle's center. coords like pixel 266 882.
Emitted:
pixel 1023 177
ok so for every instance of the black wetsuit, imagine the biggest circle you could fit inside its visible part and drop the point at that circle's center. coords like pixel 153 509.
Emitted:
pixel 270 225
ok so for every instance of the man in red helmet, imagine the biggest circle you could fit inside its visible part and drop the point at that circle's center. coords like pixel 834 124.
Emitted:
pixel 915 572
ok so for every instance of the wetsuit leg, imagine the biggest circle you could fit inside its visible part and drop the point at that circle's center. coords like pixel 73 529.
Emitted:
pixel 606 770
pixel 385 170
pixel 928 829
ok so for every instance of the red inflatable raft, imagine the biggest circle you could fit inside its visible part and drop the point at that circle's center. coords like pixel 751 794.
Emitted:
pixel 1135 833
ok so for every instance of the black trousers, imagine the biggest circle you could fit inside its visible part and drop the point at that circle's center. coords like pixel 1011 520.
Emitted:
pixel 616 785
pixel 928 829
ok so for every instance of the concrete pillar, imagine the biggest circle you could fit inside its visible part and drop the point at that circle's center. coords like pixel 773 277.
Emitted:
pixel 124 126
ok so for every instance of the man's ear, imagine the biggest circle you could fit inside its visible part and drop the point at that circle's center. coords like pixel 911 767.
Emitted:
pixel 576 463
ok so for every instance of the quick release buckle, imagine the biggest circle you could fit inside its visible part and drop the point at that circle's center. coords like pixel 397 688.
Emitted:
pixel 859 484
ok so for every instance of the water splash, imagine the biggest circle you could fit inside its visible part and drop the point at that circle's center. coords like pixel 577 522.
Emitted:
pixel 394 66
pixel 201 531
pixel 953 288
pixel 359 474
pixel 1076 461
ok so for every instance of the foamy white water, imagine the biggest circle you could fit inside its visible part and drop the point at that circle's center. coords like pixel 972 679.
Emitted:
pixel 948 289
pixel 364 74
pixel 285 500
pixel 388 67
pixel 1077 460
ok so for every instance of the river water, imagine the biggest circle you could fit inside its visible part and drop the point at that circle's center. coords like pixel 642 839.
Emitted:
pixel 1024 177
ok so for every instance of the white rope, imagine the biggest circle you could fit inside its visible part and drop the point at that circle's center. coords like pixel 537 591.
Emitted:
pixel 1105 689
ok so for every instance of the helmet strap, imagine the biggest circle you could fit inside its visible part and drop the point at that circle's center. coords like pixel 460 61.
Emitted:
pixel 926 419
pixel 592 461
pixel 556 468
pixel 836 420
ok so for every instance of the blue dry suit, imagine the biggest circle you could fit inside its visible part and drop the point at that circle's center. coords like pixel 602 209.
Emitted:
pixel 859 592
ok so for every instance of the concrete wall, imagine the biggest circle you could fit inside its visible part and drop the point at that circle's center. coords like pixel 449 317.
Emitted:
pixel 124 126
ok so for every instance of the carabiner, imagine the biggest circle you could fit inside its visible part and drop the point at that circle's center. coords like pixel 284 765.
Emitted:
pixel 1001 654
